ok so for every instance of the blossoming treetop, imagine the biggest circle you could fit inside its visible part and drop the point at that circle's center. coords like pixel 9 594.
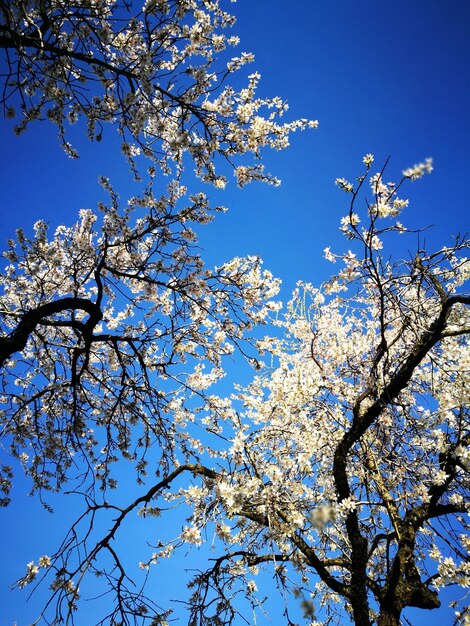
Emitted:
pixel 342 469
pixel 159 75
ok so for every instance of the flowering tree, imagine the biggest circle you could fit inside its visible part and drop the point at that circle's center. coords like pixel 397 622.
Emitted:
pixel 111 337
pixel 342 469
pixel 157 73
pixel 112 330
pixel 348 473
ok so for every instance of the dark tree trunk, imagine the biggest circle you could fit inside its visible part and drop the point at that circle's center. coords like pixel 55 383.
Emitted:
pixel 389 617
pixel 358 598
pixel 361 613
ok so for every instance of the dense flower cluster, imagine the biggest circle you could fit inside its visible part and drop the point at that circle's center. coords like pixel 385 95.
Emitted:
pixel 160 75
pixel 126 324
pixel 358 436
pixel 355 432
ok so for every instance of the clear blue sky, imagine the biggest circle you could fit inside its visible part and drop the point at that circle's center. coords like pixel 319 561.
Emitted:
pixel 389 77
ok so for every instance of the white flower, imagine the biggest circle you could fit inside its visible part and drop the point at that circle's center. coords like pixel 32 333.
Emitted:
pixel 220 183
pixel 191 535
pixel 419 170
pixel 375 243
pixel 348 505
pixel 344 184
pixel 45 561
pixel 329 256
pixel 251 586
pixel 447 569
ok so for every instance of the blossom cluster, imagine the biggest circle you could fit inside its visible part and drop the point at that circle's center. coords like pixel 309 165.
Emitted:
pixel 124 309
pixel 162 79
pixel 334 361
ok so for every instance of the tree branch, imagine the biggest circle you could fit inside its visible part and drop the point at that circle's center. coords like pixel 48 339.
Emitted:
pixel 16 341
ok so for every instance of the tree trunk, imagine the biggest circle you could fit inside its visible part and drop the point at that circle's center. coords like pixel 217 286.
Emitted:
pixel 361 614
pixel 389 617
pixel 359 601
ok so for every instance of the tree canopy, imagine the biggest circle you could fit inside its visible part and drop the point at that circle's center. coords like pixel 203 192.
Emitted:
pixel 156 74
pixel 342 469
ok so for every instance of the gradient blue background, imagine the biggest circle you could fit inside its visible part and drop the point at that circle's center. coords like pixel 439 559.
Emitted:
pixel 391 78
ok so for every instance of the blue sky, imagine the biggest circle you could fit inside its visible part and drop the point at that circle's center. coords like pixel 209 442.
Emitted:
pixel 391 78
